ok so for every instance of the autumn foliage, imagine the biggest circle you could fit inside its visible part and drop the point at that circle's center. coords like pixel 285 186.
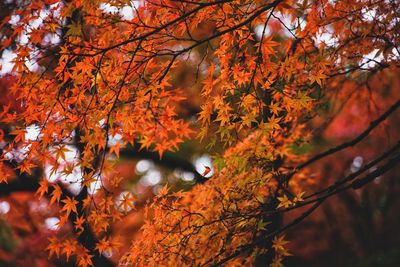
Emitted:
pixel 284 94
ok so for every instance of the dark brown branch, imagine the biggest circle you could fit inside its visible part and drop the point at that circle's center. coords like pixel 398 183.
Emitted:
pixel 168 160
pixel 157 30
pixel 237 26
pixel 86 238
pixel 354 175
pixel 352 142
pixel 355 185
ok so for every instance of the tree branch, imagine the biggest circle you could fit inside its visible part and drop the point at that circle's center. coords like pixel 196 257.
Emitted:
pixel 350 143
pixel 168 160
pixel 355 185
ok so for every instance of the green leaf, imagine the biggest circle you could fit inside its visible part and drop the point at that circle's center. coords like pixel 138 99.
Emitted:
pixel 75 29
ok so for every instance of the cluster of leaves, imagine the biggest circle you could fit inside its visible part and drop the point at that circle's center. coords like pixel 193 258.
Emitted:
pixel 264 70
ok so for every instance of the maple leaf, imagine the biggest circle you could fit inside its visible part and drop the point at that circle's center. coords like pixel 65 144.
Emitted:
pixel 206 171
pixel 278 243
pixel 115 181
pixel 284 202
pixel 26 166
pixel 103 245
pixel 4 173
pixel 74 29
pixel 60 151
pixel 69 248
pixel 85 260
pixel 86 202
pixel 268 45
pixel 302 100
pixel 19 135
pixel 54 247
pixel 116 148
pixel 299 197
pixel 69 205
pixel 63 220
pixel 317 77
pixel 88 179
pixel 43 188
pixel 163 191
pixel 79 224
pixel 273 123
pixel 275 108
pixel 127 202
pixel 56 194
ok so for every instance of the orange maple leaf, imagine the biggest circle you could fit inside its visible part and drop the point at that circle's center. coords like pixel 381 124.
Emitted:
pixel 43 188
pixel 69 205
pixel 79 224
pixel 56 194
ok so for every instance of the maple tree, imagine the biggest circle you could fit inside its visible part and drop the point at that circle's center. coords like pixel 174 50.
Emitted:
pixel 274 89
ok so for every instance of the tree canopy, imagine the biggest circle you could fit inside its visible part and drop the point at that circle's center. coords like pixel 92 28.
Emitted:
pixel 296 100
